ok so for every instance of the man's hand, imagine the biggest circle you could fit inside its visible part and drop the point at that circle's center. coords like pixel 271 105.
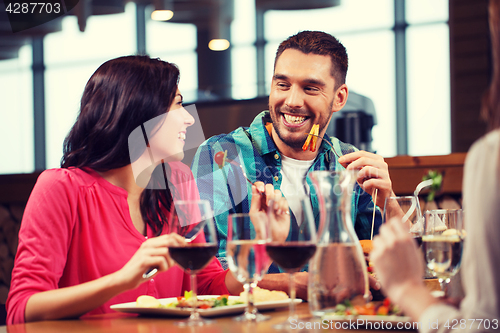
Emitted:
pixel 281 281
pixel 373 173
pixel 301 285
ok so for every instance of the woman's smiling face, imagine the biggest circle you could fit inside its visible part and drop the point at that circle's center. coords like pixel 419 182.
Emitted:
pixel 168 141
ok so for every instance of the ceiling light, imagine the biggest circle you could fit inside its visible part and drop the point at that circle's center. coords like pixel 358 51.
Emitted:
pixel 162 15
pixel 218 44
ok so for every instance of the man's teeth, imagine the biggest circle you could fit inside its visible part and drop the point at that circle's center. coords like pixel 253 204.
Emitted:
pixel 293 119
pixel 182 136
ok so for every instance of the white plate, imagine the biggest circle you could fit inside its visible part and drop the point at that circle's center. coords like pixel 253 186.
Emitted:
pixel 131 307
pixel 393 319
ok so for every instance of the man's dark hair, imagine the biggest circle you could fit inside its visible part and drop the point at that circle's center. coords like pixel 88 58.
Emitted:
pixel 321 43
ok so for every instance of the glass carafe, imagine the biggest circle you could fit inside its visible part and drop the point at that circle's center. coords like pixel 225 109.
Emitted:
pixel 337 272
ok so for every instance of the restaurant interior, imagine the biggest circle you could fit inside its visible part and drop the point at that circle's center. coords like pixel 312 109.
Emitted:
pixel 417 72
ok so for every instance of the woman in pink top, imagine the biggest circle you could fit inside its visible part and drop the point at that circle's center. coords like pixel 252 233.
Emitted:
pixel 89 231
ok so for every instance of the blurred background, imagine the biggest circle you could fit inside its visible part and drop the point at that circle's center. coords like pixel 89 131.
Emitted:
pixel 417 68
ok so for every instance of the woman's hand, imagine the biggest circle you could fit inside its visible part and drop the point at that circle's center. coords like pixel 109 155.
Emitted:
pixel 399 268
pixel 396 259
pixel 277 216
pixel 373 173
pixel 153 253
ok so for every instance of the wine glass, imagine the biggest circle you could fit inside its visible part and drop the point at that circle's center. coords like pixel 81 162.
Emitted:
pixel 194 221
pixel 294 252
pixel 247 258
pixel 407 210
pixel 443 243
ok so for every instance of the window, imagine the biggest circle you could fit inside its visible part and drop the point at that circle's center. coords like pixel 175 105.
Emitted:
pixel 16 103
pixel 428 77
pixel 71 57
pixel 175 42
pixel 372 73
pixel 243 53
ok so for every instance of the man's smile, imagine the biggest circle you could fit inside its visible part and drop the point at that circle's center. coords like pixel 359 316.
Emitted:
pixel 294 119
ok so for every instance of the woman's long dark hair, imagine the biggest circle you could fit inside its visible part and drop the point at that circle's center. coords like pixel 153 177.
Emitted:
pixel 120 96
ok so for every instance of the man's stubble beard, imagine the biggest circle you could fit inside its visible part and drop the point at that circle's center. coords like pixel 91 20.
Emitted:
pixel 299 142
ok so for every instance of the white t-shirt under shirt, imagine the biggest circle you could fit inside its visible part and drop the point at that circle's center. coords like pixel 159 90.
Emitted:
pixel 293 184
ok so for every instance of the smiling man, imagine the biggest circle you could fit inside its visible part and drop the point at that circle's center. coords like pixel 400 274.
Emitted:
pixel 308 86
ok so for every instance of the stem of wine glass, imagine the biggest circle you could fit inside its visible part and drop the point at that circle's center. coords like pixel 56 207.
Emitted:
pixel 443 283
pixel 250 310
pixel 291 311
pixel 195 316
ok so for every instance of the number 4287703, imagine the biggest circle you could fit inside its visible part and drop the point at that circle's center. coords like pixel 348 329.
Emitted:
pixel 472 324
pixel 33 8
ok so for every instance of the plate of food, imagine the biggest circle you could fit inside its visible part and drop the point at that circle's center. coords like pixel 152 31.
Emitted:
pixel 208 305
pixel 369 313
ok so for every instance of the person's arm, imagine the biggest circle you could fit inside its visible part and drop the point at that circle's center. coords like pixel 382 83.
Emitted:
pixel 45 238
pixel 281 281
pixel 72 301
pixel 77 300
pixel 234 286
pixel 399 268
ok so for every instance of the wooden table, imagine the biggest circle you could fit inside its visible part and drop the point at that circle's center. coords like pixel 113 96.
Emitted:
pixel 124 323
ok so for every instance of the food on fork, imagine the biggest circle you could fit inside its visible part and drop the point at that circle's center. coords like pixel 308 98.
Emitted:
pixel 312 138
pixel 264 295
pixel 220 158
pixel 366 245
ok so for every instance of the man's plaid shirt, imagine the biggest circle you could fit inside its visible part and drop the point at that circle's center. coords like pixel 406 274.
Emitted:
pixel 228 192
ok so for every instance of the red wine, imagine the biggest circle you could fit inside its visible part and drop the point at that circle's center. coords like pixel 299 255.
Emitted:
pixel 292 255
pixel 193 257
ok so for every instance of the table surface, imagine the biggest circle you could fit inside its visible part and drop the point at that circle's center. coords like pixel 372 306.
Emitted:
pixel 126 323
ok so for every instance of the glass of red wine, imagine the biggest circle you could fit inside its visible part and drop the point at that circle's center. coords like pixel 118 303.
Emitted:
pixel 294 252
pixel 194 221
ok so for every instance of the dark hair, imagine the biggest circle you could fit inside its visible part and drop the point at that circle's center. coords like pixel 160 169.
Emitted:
pixel 121 95
pixel 490 109
pixel 321 43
